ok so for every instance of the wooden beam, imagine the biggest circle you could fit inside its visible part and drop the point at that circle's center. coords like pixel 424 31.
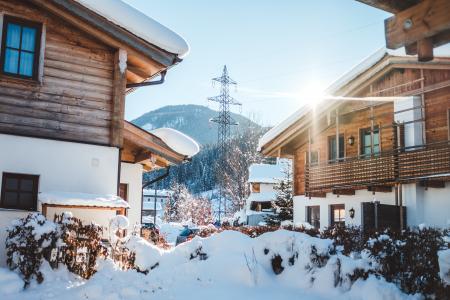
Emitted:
pixel 425 49
pixel 316 195
pixel 348 192
pixel 380 188
pixel 421 21
pixel 437 184
pixel 118 100
pixel 141 156
pixel 392 6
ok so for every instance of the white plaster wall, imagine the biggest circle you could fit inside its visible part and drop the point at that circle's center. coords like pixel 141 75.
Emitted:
pixel 96 215
pixel 430 207
pixel 131 174
pixel 266 187
pixel 301 202
pixel 61 166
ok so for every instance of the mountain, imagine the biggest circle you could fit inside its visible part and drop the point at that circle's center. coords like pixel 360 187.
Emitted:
pixel 190 119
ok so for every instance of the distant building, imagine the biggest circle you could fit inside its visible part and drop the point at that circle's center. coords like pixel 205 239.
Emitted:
pixel 148 204
pixel 262 179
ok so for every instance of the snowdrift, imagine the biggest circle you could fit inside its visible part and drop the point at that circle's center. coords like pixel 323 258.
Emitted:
pixel 228 265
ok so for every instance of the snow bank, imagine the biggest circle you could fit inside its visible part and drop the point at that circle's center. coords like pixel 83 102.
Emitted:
pixel 178 141
pixel 138 23
pixel 82 199
pixel 10 282
pixel 228 265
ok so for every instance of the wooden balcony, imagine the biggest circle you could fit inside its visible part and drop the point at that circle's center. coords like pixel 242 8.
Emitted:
pixel 403 165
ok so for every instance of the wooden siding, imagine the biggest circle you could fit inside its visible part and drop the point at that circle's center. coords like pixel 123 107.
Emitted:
pixel 73 100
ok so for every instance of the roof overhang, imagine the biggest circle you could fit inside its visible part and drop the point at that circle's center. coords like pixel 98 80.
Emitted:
pixel 144 60
pixel 140 146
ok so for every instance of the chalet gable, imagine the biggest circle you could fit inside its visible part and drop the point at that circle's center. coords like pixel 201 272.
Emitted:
pixel 383 74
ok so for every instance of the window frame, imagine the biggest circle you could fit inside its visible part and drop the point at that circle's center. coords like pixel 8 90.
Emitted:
pixel 20 176
pixel 334 207
pixel 362 131
pixel 329 139
pixel 7 19
pixel 309 209
pixel 313 162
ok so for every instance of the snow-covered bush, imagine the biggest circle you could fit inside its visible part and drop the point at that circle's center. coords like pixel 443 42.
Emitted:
pixel 410 259
pixel 82 244
pixel 34 238
pixel 29 240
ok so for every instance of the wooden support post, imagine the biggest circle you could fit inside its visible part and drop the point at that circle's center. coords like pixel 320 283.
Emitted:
pixel 396 194
pixel 118 100
pixel 400 198
pixel 44 209
pixel 425 49
pixel 372 128
pixel 337 134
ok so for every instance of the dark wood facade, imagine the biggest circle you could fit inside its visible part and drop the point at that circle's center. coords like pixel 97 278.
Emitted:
pixel 79 93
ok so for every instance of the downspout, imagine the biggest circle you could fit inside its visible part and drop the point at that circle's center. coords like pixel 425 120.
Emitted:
pixel 146 184
pixel 148 83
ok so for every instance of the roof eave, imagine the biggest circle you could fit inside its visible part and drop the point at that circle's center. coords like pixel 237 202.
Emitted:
pixel 120 34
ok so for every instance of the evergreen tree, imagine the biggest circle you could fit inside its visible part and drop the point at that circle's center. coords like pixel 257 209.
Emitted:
pixel 284 202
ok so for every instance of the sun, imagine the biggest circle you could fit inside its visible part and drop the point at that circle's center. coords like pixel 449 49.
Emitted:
pixel 312 93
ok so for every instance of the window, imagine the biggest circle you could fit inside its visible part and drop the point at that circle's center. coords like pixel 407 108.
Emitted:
pixel 313 216
pixel 314 157
pixel 19 191
pixel 337 215
pixel 123 191
pixel 366 141
pixel 20 47
pixel 332 147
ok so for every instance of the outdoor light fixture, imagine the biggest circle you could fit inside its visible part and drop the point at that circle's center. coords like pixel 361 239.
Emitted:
pixel 352 213
pixel 351 140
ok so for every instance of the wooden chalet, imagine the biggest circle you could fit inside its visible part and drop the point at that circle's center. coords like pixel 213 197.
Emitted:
pixel 65 69
pixel 383 138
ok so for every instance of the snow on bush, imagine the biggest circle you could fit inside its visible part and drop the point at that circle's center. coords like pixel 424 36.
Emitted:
pixel 34 239
pixel 27 242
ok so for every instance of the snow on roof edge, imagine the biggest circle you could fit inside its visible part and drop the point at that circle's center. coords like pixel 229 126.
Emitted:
pixel 81 199
pixel 139 24
pixel 177 141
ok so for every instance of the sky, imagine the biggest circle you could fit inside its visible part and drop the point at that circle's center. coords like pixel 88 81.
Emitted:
pixel 281 53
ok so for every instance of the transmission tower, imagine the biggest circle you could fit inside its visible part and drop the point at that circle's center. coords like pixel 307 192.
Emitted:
pixel 224 122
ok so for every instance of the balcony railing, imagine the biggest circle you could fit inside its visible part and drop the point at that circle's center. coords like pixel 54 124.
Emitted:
pixel 409 164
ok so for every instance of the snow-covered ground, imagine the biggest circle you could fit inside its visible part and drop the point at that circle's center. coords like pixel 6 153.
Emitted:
pixel 228 265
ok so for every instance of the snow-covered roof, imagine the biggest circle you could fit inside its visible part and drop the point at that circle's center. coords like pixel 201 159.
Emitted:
pixel 150 205
pixel 265 173
pixel 82 199
pixel 262 197
pixel 159 193
pixel 139 24
pixel 178 141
